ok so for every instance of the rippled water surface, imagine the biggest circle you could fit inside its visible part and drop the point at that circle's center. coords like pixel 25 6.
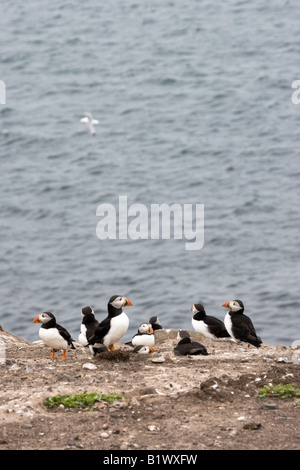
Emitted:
pixel 194 106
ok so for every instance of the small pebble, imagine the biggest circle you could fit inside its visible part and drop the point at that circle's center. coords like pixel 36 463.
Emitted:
pixel 89 366
pixel 152 428
pixel 269 406
pixel 252 426
pixel 158 360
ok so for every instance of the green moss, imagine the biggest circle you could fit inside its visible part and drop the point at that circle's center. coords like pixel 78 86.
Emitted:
pixel 82 400
pixel 279 391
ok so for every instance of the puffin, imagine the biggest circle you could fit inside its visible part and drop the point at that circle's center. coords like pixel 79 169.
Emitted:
pixel 53 335
pixel 144 336
pixel 142 349
pixel 88 325
pixel 238 325
pixel 113 327
pixel 155 323
pixel 186 346
pixel 210 327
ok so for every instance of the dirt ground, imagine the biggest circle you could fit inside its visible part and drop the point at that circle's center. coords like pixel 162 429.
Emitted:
pixel 170 402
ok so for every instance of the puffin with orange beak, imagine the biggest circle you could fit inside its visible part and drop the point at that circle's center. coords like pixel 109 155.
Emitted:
pixel 53 335
pixel 238 325
pixel 113 327
pixel 144 336
pixel 143 349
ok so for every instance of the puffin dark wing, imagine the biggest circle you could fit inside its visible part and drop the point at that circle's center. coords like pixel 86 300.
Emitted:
pixel 101 330
pixel 197 348
pixel 217 327
pixel 244 330
pixel 186 346
pixel 91 328
pixel 66 335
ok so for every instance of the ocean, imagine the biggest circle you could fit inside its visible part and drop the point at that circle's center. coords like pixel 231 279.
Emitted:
pixel 194 103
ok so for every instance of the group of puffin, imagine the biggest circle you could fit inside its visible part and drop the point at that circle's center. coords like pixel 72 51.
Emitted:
pixel 101 336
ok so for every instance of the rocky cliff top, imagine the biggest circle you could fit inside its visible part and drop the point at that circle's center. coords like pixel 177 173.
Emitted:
pixel 169 402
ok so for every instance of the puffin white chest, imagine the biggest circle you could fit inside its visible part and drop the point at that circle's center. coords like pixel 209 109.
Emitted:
pixel 52 338
pixel 201 327
pixel 143 340
pixel 82 337
pixel 118 327
pixel 228 324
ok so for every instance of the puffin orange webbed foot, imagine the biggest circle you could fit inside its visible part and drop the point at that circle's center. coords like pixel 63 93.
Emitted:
pixel 63 356
pixel 53 355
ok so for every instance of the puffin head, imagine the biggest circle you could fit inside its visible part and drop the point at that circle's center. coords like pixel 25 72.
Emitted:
pixel 197 308
pixel 87 311
pixel 234 305
pixel 118 301
pixel 182 334
pixel 155 323
pixel 145 328
pixel 144 350
pixel 155 320
pixel 44 317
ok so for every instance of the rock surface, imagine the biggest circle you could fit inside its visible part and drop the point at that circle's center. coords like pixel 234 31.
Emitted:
pixel 170 402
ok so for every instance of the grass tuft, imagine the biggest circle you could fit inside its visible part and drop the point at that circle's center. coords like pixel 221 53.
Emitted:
pixel 279 391
pixel 82 400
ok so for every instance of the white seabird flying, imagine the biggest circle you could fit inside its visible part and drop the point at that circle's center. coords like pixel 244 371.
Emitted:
pixel 90 121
